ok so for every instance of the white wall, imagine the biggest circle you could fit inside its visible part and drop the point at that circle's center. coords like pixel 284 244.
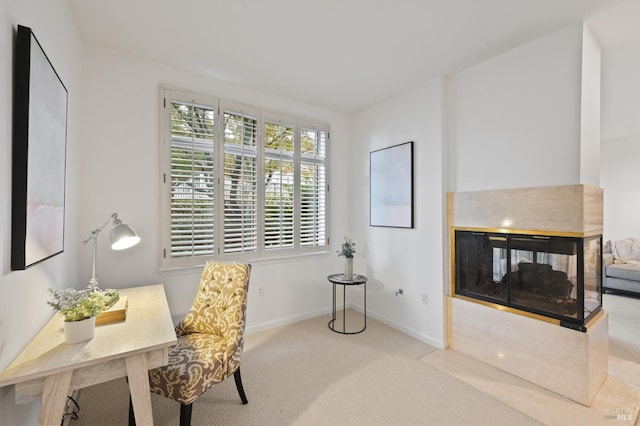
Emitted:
pixel 393 258
pixel 120 170
pixel 620 149
pixel 23 308
pixel 621 90
pixel 515 119
pixel 590 110
pixel 620 168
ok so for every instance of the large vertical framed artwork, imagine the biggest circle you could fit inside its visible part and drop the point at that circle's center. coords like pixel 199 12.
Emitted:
pixel 39 155
pixel 391 186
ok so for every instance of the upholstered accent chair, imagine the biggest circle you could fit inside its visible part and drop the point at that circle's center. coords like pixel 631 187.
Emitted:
pixel 210 339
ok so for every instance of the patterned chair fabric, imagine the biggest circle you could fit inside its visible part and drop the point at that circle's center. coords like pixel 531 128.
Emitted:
pixel 210 337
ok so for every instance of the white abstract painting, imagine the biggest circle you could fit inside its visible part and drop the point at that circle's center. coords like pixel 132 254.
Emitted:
pixel 39 157
pixel 391 186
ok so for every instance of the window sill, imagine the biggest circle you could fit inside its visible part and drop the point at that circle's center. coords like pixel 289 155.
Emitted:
pixel 180 270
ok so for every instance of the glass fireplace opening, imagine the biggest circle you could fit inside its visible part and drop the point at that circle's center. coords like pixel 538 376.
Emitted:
pixel 553 276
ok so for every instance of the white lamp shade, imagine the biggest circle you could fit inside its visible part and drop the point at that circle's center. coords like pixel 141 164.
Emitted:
pixel 123 236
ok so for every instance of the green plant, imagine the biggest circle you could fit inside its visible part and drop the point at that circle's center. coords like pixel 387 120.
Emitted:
pixel 348 248
pixel 76 305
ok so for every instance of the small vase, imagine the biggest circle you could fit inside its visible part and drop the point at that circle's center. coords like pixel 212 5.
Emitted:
pixel 79 331
pixel 348 269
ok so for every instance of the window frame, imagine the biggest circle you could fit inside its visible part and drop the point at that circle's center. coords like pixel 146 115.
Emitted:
pixel 220 106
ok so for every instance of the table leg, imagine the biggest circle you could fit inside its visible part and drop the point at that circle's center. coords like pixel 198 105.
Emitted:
pixel 333 313
pixel 54 397
pixel 365 306
pixel 344 308
pixel 138 374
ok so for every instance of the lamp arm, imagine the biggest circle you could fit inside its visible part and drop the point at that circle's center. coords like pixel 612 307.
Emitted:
pixel 94 234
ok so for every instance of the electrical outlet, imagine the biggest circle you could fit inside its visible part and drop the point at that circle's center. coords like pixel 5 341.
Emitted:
pixel 260 290
pixel 425 298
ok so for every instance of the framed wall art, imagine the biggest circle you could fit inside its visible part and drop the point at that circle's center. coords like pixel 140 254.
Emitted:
pixel 39 155
pixel 391 186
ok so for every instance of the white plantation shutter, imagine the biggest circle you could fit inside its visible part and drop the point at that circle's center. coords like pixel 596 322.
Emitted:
pixel 313 188
pixel 240 183
pixel 192 179
pixel 279 190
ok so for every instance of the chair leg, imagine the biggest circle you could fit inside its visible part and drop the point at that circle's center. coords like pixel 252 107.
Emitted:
pixel 238 380
pixel 132 417
pixel 185 414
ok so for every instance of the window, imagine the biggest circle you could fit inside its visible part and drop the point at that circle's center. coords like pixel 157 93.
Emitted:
pixel 192 179
pixel 312 182
pixel 279 190
pixel 239 183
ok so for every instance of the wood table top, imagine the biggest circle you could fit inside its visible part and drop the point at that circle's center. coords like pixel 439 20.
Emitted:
pixel 148 326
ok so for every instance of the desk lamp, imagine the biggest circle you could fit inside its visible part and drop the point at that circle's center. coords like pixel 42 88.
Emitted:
pixel 122 237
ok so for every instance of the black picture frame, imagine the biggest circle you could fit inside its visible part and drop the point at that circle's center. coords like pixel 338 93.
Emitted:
pixel 39 155
pixel 391 186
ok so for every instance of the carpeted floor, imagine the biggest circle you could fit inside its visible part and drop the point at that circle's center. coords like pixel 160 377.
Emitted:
pixel 304 374
pixel 624 325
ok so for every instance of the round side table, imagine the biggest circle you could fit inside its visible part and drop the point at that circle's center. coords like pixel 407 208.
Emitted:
pixel 336 280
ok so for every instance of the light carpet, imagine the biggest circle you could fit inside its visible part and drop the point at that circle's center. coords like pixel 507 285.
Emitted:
pixel 304 374
pixel 624 325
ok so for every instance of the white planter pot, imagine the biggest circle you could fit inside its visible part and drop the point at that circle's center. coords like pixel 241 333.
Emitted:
pixel 348 269
pixel 79 331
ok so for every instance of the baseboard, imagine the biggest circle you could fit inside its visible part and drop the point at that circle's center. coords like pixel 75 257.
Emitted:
pixel 327 311
pixel 406 330
pixel 286 321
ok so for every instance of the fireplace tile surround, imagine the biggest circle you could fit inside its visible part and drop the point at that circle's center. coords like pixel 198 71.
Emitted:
pixel 571 361
pixel 570 210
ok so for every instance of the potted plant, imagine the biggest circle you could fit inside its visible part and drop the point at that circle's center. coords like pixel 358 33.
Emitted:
pixel 79 308
pixel 347 250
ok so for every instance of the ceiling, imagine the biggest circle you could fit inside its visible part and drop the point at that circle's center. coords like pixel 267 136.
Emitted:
pixel 338 54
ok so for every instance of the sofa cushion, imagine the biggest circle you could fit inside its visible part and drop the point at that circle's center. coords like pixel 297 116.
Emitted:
pixel 624 271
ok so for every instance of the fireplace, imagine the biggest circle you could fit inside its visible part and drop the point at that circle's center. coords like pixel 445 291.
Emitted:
pixel 556 277
pixel 523 261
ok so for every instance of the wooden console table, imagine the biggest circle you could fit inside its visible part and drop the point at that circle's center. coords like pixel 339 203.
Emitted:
pixel 50 369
